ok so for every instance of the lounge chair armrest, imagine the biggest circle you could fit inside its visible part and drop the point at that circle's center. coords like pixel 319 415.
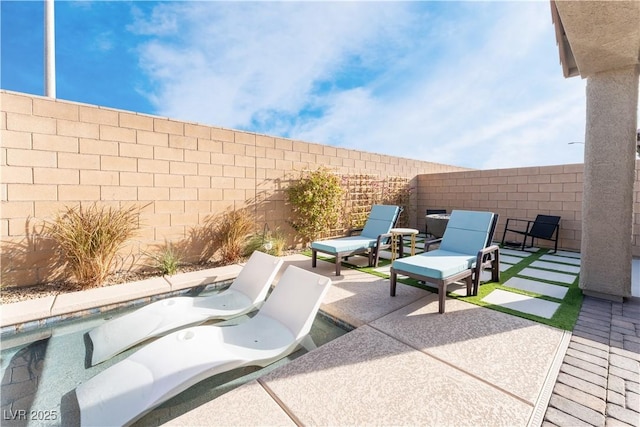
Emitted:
pixel 482 255
pixel 488 250
pixel 526 230
pixel 380 237
pixel 428 243
pixel 353 231
pixel 528 221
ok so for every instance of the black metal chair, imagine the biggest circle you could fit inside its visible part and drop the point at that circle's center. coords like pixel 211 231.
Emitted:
pixel 543 227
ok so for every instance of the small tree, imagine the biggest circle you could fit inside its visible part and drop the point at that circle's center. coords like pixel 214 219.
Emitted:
pixel 316 200
pixel 90 239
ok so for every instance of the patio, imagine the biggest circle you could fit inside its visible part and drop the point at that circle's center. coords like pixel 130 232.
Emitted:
pixel 406 364
pixel 403 363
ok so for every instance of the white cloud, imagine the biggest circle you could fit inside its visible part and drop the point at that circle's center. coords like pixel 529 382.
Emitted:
pixel 470 84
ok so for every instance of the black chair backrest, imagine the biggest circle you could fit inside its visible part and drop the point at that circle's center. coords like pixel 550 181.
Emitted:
pixel 436 211
pixel 544 226
pixel 492 230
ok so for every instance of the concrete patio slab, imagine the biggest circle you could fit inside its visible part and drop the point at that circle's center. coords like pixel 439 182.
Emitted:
pixel 555 291
pixel 569 254
pixel 556 266
pixel 203 277
pixel 523 303
pixel 563 259
pixel 502 267
pixel 357 297
pixel 26 311
pixel 458 288
pixel 485 343
pixel 513 252
pixel 383 375
pixel 358 261
pixel 115 294
pixel 485 276
pixel 509 259
pixel 246 405
pixel 548 275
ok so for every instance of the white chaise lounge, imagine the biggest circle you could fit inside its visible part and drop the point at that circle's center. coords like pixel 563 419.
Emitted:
pixel 124 392
pixel 247 293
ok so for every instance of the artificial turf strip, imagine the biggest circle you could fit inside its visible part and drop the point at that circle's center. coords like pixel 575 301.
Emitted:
pixel 564 318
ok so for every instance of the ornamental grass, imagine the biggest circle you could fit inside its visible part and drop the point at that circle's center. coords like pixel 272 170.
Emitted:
pixel 90 238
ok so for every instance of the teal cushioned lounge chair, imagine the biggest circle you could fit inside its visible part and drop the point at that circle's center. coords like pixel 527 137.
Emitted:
pixel 373 236
pixel 465 250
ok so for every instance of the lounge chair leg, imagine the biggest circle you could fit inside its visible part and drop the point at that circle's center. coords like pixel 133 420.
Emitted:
pixel 495 268
pixel 392 283
pixel 308 344
pixel 338 264
pixel 314 258
pixel 470 285
pixel 442 294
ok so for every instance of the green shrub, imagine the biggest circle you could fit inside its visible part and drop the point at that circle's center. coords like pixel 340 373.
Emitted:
pixel 316 201
pixel 167 260
pixel 90 238
pixel 230 235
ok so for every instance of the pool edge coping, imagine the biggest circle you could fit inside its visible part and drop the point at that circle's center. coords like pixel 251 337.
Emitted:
pixel 29 314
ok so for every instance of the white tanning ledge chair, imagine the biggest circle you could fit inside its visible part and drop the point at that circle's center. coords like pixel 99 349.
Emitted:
pixel 127 390
pixel 247 293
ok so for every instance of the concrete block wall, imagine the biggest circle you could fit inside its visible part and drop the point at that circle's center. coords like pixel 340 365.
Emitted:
pixel 56 154
pixel 518 193
pixel 512 193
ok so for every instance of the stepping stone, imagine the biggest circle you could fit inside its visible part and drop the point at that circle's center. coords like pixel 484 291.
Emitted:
pixel 555 291
pixel 358 261
pixel 485 276
pixel 508 259
pixel 385 270
pixel 551 276
pixel 504 267
pixel 514 252
pixel 562 259
pixel 457 289
pixel 522 303
pixel 555 266
pixel 568 254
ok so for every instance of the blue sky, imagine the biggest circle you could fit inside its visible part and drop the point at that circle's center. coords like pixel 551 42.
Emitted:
pixel 475 84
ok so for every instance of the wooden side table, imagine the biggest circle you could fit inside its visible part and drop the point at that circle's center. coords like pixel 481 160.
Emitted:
pixel 396 235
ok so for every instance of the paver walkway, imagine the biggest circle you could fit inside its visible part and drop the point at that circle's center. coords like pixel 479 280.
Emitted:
pixel 599 380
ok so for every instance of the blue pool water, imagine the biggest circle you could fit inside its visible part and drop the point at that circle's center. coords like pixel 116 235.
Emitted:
pixel 41 369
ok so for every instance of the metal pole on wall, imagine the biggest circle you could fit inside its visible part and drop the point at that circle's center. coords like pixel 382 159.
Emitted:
pixel 49 50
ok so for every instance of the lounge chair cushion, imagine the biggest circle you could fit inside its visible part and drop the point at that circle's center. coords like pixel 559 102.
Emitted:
pixel 438 264
pixel 379 220
pixel 466 232
pixel 344 244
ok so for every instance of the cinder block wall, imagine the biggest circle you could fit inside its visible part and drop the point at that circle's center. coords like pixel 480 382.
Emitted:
pixel 56 154
pixel 512 193
pixel 517 193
